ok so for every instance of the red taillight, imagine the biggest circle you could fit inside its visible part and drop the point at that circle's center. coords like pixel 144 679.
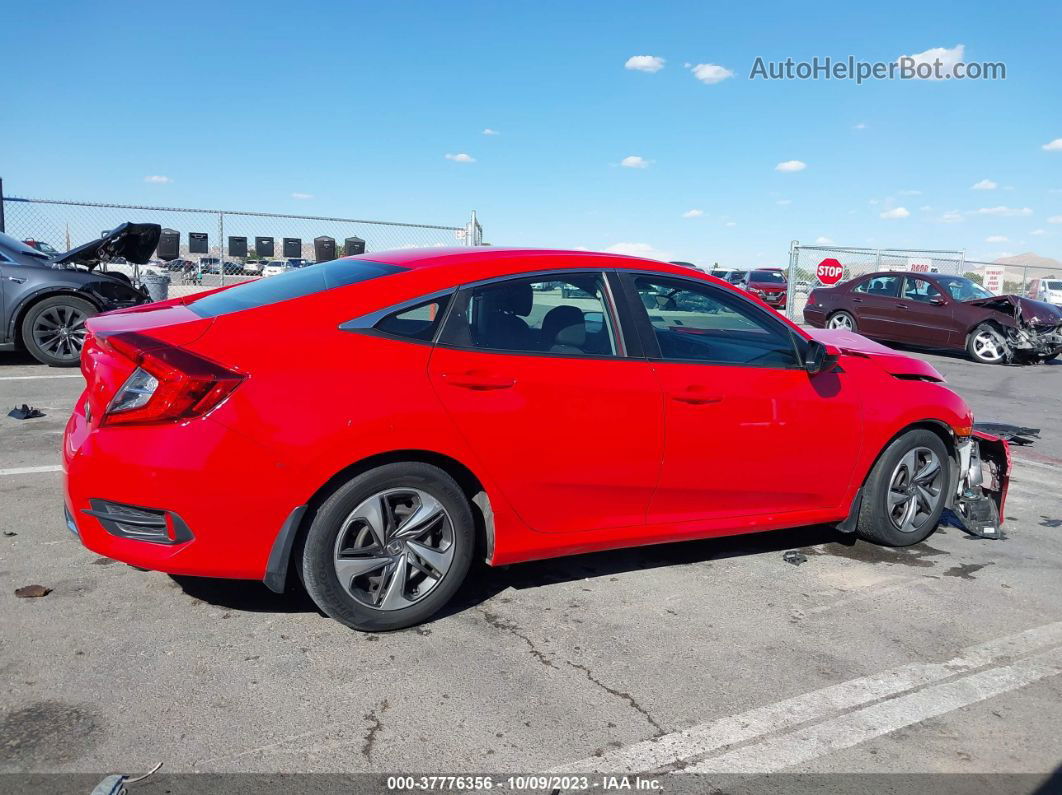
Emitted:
pixel 169 383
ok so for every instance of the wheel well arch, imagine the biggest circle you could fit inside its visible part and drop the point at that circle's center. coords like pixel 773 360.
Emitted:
pixel 938 427
pixel 470 484
pixel 31 301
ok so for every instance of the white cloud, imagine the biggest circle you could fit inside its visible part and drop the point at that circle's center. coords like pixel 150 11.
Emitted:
pixel 637 250
pixel 947 57
pixel 644 63
pixel 995 239
pixel 1006 212
pixel 693 213
pixel 711 73
pixel 634 161
pixel 730 223
pixel 790 166
pixel 784 202
pixel 489 131
pixel 1055 219
pixel 951 217
pixel 158 179
pixel 1038 232
pixel 985 184
pixel 822 240
pixel 861 126
pixel 896 212
pixel 1053 146
pixel 460 157
pixel 301 196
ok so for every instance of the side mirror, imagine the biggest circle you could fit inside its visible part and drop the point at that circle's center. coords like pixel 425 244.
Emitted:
pixel 820 357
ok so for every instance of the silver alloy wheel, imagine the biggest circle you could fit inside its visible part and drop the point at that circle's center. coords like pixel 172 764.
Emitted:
pixel 59 331
pixel 915 489
pixel 841 320
pixel 987 346
pixel 394 548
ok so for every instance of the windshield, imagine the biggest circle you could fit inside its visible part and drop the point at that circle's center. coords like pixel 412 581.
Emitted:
pixel 18 247
pixel 962 289
pixel 773 277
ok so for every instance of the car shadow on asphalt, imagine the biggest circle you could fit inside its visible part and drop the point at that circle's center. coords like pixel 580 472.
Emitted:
pixel 484 582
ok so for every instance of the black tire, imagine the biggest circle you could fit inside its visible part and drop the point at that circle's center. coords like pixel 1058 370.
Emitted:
pixel 831 320
pixel 42 316
pixel 319 552
pixel 876 519
pixel 977 353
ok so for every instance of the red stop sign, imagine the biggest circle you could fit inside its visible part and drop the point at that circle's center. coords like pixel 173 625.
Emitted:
pixel 829 271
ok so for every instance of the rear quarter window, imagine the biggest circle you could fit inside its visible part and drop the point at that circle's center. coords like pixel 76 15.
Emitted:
pixel 292 284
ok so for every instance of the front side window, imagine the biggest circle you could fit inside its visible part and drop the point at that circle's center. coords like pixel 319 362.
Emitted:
pixel 962 289
pixel 700 323
pixel 885 286
pixel 566 315
pixel 920 290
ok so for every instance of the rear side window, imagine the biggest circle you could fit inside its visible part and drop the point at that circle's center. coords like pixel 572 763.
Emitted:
pixel 292 284
pixel 880 285
pixel 418 322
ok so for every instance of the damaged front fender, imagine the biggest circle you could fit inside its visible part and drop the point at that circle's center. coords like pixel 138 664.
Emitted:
pixel 1025 328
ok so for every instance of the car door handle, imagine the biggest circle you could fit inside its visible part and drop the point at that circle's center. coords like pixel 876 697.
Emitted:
pixel 857 300
pixel 696 396
pixel 478 380
pixel 901 306
pixel 16 280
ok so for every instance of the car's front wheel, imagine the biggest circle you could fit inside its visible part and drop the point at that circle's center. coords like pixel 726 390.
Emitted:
pixel 841 320
pixel 53 331
pixel 986 345
pixel 906 491
pixel 389 548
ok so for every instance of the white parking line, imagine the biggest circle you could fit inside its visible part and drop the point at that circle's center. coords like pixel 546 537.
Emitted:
pixel 697 741
pixel 35 377
pixel 30 470
pixel 865 724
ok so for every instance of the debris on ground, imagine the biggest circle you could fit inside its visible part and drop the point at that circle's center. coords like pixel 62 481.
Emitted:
pixel 1018 434
pixel 794 557
pixel 32 591
pixel 10 533
pixel 25 412
pixel 115 784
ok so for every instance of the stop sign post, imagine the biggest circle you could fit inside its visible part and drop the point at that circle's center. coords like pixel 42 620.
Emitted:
pixel 829 271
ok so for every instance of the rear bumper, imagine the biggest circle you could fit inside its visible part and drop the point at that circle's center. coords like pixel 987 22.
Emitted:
pixel 814 316
pixel 179 469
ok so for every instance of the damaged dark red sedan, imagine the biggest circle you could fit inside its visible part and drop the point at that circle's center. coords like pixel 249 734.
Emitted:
pixel 939 311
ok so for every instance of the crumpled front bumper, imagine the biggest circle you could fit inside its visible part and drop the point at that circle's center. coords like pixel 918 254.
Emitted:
pixel 981 488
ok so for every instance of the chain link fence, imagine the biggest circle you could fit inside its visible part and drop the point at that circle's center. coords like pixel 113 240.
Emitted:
pixel 804 262
pixel 202 249
pixel 1030 281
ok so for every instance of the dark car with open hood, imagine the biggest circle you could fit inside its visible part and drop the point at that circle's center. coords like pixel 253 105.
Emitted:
pixel 940 311
pixel 45 300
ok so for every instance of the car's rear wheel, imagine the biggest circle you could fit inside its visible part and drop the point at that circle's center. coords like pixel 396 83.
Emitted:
pixel 389 548
pixel 53 331
pixel 841 320
pixel 906 491
pixel 986 345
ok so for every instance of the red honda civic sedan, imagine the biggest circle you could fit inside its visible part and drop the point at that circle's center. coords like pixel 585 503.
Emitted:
pixel 407 411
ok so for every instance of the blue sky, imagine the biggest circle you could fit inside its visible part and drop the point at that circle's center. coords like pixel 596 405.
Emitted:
pixel 350 108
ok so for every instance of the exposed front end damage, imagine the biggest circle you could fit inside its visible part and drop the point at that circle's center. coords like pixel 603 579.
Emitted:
pixel 1026 329
pixel 981 486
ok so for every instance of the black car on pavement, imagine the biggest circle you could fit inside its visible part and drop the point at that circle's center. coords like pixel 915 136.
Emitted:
pixel 45 301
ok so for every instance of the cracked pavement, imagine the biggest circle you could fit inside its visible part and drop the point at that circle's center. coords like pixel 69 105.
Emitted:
pixel 533 666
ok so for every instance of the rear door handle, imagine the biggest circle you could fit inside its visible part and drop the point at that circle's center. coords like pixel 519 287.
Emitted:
pixel 696 396
pixel 16 280
pixel 478 380
pixel 901 306
pixel 857 300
